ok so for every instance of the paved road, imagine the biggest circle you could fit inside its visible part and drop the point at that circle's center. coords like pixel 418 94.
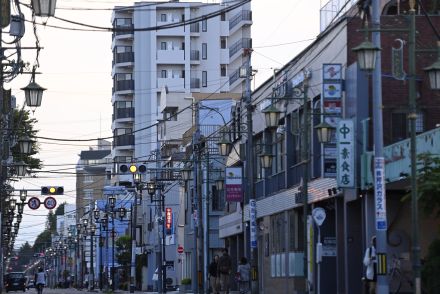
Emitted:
pixel 74 291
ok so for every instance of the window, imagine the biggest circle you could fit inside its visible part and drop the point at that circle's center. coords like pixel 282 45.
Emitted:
pixel 223 70
pixel 204 50
pixel 278 228
pixel 163 17
pixel 170 114
pixel 400 127
pixel 122 131
pixel 123 104
pixel 123 76
pixel 163 45
pixel 204 25
pixel 278 151
pixel 123 49
pixel 204 78
pixel 163 74
pixel 88 194
pixel 223 42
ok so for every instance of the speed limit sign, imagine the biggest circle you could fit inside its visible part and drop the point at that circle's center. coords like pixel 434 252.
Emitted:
pixel 50 203
pixel 34 203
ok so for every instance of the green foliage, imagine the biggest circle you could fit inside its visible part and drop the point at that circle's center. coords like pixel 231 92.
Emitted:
pixel 51 222
pixel 185 281
pixel 123 250
pixel 24 124
pixel 431 269
pixel 42 241
pixel 428 183
pixel 25 254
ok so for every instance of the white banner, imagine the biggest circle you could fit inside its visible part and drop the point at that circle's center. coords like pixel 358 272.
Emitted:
pixel 345 163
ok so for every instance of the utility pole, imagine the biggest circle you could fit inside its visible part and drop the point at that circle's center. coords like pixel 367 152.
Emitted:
pixel 196 211
pixel 379 161
pixel 133 241
pixel 250 173
pixel 206 222
pixel 305 180
pixel 412 116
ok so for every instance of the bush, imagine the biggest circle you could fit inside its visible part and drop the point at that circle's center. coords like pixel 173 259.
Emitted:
pixel 186 281
pixel 431 268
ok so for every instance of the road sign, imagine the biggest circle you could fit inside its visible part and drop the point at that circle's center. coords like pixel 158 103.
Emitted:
pixel 34 203
pixel 318 215
pixel 50 203
pixel 180 249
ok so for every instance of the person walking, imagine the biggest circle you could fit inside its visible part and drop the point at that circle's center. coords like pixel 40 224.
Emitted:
pixel 370 263
pixel 224 269
pixel 213 275
pixel 40 280
pixel 243 273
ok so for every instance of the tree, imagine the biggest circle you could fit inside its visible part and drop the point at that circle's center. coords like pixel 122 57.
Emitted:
pixel 428 182
pixel 123 250
pixel 42 241
pixel 24 255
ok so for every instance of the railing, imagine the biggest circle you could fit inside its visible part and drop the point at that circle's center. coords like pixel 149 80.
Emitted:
pixel 234 76
pixel 239 17
pixel 124 29
pixel 240 44
pixel 124 113
pixel 123 140
pixel 124 85
pixel 195 83
pixel 194 27
pixel 124 57
pixel 195 55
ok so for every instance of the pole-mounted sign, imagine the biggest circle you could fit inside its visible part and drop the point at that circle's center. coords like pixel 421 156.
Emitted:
pixel 34 203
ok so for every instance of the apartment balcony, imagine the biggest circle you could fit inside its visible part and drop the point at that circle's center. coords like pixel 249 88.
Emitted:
pixel 239 46
pixel 125 59
pixel 195 83
pixel 234 77
pixel 176 56
pixel 224 56
pixel 123 142
pixel 173 84
pixel 176 31
pixel 123 114
pixel 123 32
pixel 195 57
pixel 124 87
pixel 242 18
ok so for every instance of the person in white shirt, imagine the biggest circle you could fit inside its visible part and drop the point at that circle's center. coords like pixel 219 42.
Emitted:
pixel 40 280
pixel 370 263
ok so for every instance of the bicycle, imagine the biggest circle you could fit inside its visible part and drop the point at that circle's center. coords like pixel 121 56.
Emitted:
pixel 397 278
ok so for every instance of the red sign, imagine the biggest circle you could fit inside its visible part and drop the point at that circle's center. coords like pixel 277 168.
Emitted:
pixel 234 188
pixel 180 249
pixel 168 218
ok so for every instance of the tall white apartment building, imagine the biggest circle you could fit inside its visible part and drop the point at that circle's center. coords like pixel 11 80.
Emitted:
pixel 165 55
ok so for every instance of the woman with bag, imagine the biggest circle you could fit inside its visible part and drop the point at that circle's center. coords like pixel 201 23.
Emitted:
pixel 370 263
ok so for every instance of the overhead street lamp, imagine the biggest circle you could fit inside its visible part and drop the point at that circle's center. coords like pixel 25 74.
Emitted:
pixel 44 8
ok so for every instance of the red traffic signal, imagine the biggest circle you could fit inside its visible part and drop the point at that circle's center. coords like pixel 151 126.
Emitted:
pixel 52 190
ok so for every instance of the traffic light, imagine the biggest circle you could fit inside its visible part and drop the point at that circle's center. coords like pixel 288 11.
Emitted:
pixel 132 168
pixel 52 190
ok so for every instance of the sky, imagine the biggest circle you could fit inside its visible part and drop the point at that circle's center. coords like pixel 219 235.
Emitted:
pixel 76 68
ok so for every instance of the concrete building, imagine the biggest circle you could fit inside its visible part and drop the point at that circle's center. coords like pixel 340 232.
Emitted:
pixel 92 174
pixel 167 57
pixel 350 220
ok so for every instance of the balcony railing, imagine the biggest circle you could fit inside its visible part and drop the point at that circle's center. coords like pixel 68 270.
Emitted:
pixel 123 140
pixel 194 27
pixel 241 16
pixel 123 30
pixel 124 57
pixel 123 113
pixel 234 76
pixel 195 55
pixel 240 44
pixel 124 85
pixel 195 83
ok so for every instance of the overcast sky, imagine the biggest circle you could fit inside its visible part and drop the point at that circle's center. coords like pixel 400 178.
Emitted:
pixel 76 70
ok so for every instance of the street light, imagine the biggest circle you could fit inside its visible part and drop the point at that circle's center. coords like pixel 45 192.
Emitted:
pixel 44 7
pixel 220 183
pixel 33 93
pixel 20 168
pixel 23 195
pixel 366 54
pixel 12 203
pixel 266 160
pixel 25 144
pixel 434 71
pixel 325 132
pixel 271 116
pixel 224 146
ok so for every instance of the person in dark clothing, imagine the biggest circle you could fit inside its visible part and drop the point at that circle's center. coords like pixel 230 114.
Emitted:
pixel 213 275
pixel 224 269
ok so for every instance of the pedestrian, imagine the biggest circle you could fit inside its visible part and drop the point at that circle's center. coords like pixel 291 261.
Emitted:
pixel 213 275
pixel 40 280
pixel 224 269
pixel 243 273
pixel 370 263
